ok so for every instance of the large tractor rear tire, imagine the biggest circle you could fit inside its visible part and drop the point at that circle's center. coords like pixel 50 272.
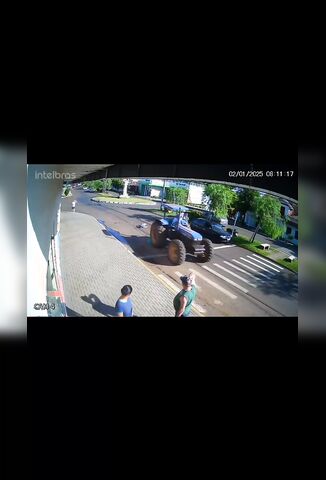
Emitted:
pixel 158 234
pixel 209 251
pixel 177 252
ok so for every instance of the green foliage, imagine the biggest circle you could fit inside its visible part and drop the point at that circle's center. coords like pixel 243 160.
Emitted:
pixel 268 211
pixel 221 199
pixel 98 185
pixel 255 247
pixel 107 183
pixel 247 200
pixel 176 195
pixel 117 183
pixel 66 192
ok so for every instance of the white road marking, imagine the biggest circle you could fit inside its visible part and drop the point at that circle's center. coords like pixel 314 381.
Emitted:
pixel 224 246
pixel 265 264
pixel 258 266
pixel 215 285
pixel 226 279
pixel 250 268
pixel 177 289
pixel 244 271
pixel 235 275
pixel 267 261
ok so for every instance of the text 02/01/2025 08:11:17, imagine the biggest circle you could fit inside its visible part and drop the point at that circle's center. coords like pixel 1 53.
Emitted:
pixel 260 173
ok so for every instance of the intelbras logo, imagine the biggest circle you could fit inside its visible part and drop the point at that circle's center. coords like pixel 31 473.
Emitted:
pixel 54 175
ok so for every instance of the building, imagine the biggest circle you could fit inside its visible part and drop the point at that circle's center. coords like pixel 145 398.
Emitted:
pixel 151 187
pixel 287 211
pixel 154 188
pixel 291 233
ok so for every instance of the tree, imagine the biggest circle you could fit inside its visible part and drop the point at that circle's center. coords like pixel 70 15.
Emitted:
pixel 268 212
pixel 117 183
pixel 221 199
pixel 107 183
pixel 176 195
pixel 98 185
pixel 247 201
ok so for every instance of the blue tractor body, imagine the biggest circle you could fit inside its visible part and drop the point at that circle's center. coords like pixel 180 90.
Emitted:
pixel 180 237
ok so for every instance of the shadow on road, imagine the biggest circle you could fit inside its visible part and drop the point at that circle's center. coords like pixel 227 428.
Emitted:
pixel 141 244
pixel 99 306
pixel 280 287
pixel 142 208
pixel 148 218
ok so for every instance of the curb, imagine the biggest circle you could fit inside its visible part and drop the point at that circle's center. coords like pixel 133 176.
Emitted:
pixel 122 203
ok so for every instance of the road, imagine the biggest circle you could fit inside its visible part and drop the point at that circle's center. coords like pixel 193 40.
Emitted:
pixel 234 283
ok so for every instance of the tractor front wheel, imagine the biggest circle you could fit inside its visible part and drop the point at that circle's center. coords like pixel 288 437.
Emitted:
pixel 209 251
pixel 177 252
pixel 158 234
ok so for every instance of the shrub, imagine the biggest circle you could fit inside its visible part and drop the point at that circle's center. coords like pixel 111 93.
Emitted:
pixel 176 195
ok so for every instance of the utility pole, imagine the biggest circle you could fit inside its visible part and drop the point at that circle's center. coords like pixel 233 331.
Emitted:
pixel 255 232
pixel 105 182
pixel 235 221
pixel 163 194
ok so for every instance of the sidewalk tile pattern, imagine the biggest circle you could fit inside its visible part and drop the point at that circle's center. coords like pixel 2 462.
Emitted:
pixel 95 263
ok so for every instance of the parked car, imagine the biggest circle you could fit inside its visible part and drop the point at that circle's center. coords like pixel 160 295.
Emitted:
pixel 211 218
pixel 214 231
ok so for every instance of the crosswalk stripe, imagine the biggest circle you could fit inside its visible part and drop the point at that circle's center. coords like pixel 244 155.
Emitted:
pixel 178 274
pixel 250 268
pixel 243 271
pixel 258 266
pixel 215 285
pixel 268 266
pixel 224 246
pixel 176 289
pixel 235 275
pixel 226 279
pixel 267 261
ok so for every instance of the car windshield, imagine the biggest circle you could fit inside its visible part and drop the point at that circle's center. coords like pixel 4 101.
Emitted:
pixel 217 228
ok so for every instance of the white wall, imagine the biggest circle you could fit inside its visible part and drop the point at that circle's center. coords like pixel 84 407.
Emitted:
pixel 43 204
pixel 195 194
pixel 155 192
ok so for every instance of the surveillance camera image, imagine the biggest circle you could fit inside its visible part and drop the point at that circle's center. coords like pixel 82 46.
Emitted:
pixel 162 240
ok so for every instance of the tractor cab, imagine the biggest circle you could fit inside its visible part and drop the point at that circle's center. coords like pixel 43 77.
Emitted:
pixel 180 219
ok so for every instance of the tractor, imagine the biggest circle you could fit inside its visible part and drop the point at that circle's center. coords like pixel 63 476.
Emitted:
pixel 177 234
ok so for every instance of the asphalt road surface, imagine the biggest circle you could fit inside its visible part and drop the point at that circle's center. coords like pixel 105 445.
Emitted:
pixel 235 282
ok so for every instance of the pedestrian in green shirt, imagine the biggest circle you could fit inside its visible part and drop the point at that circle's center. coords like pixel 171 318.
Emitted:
pixel 183 300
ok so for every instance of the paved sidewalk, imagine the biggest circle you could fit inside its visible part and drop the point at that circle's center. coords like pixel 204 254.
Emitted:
pixel 95 266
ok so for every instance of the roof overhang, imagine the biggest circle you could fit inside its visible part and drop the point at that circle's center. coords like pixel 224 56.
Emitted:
pixel 200 172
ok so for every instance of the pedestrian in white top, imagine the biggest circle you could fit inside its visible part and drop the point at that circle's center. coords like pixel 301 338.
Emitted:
pixel 73 205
